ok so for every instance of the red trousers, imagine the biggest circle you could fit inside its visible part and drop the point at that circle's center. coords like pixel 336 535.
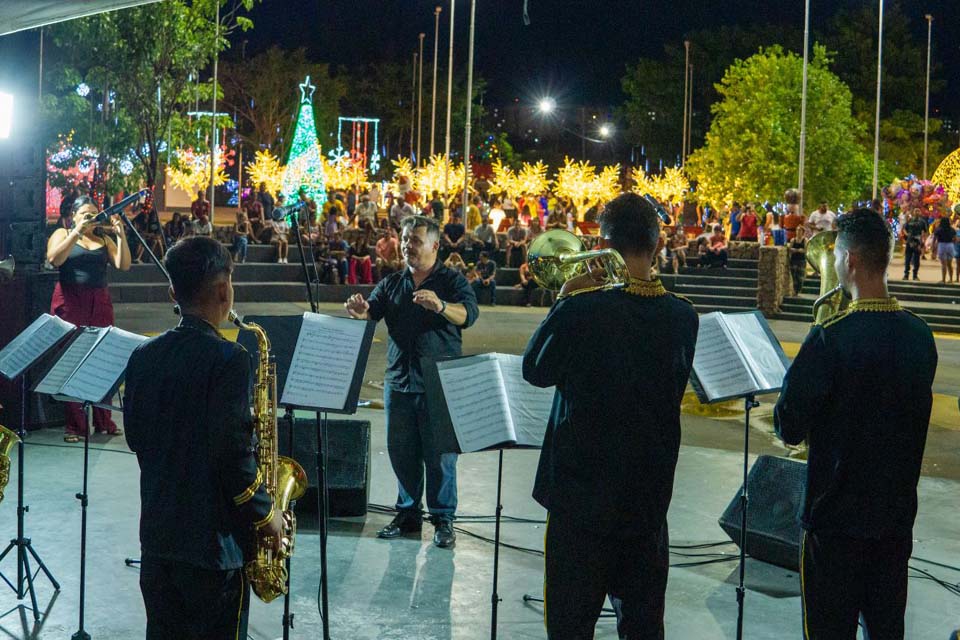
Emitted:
pixel 362 266
pixel 86 307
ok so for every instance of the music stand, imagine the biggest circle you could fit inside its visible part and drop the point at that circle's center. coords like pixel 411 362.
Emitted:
pixel 89 373
pixel 18 360
pixel 294 341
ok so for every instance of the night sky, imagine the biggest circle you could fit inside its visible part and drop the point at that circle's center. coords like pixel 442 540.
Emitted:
pixel 574 50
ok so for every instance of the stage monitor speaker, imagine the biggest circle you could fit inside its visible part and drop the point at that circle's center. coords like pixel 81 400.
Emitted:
pixel 348 462
pixel 27 243
pixel 775 491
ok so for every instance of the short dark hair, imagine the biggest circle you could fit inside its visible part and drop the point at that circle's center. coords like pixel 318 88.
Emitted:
pixel 80 202
pixel 865 233
pixel 630 224
pixel 194 264
pixel 415 222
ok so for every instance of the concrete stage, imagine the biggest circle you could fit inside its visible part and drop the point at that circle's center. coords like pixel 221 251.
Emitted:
pixel 407 589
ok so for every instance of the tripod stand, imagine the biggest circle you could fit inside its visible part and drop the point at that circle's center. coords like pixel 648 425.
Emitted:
pixel 23 545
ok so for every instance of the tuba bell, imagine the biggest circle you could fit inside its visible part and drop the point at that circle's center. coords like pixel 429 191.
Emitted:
pixel 820 257
pixel 557 255
pixel 7 440
pixel 7 266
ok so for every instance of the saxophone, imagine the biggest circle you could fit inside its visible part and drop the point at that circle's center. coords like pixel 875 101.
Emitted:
pixel 284 478
pixel 7 440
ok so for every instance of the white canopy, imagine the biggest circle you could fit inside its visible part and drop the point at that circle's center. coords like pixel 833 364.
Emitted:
pixel 17 15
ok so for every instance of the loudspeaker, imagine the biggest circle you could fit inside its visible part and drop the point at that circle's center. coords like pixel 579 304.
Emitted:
pixel 348 463
pixel 775 492
pixel 28 243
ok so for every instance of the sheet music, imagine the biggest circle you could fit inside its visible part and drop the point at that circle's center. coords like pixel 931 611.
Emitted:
pixel 33 342
pixel 717 362
pixel 760 353
pixel 477 402
pixel 97 375
pixel 530 406
pixel 324 362
pixel 69 360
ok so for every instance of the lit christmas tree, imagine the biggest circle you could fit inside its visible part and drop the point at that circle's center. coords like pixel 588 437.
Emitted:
pixel 305 164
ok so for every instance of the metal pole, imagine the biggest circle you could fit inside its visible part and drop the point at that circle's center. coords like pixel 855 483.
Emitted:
pixel 40 89
pixel 413 104
pixel 803 99
pixel 213 137
pixel 876 125
pixel 433 108
pixel 690 116
pixel 686 89
pixel 466 144
pixel 446 176
pixel 926 113
pixel 420 99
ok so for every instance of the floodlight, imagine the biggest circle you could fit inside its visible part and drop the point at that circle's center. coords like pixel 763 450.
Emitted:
pixel 547 105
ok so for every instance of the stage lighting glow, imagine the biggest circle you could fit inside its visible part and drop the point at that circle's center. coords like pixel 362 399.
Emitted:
pixel 6 114
pixel 606 130
pixel 547 105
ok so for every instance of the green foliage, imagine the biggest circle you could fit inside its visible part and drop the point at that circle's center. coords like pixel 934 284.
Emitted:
pixel 653 110
pixel 752 147
pixel 901 143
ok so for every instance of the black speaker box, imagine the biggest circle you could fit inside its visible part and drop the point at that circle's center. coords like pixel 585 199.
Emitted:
pixel 775 492
pixel 28 243
pixel 348 463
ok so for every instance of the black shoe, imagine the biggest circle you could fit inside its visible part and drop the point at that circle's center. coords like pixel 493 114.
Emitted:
pixel 915 277
pixel 403 523
pixel 444 537
pixel 906 277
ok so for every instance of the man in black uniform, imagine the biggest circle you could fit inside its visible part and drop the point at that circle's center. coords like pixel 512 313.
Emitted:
pixel 620 360
pixel 866 443
pixel 425 307
pixel 187 417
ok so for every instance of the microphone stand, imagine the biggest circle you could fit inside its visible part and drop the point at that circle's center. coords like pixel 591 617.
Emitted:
pixel 295 217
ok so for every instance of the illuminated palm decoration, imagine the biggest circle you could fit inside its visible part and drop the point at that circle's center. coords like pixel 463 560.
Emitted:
pixel 948 176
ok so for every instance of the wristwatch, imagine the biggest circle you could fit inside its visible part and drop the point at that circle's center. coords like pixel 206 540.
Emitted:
pixel 443 307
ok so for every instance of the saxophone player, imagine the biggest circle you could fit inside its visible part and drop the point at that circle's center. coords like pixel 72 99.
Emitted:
pixel 200 489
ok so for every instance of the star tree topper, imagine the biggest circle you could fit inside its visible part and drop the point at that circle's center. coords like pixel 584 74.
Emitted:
pixel 306 91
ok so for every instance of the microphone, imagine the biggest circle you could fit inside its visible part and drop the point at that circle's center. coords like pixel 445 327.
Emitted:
pixel 104 216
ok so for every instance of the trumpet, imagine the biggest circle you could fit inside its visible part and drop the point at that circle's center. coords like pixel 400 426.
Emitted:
pixel 556 256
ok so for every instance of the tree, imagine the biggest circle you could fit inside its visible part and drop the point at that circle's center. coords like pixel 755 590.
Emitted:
pixel 262 92
pixel 305 166
pixel 137 65
pixel 752 146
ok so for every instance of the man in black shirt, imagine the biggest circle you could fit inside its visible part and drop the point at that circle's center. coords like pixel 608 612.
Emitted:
pixel 425 306
pixel 487 270
pixel 436 207
pixel 201 492
pixel 454 234
pixel 914 233
pixel 866 444
pixel 620 359
pixel 265 198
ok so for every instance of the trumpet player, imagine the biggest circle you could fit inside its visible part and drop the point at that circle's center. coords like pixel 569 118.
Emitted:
pixel 620 359
pixel 866 444
pixel 81 296
pixel 201 493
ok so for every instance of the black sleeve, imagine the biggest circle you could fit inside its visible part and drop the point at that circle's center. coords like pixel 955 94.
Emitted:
pixel 130 397
pixel 378 300
pixel 234 447
pixel 806 389
pixel 550 348
pixel 461 292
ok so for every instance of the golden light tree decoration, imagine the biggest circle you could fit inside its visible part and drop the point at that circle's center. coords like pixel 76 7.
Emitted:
pixel 642 183
pixel 190 172
pixel 532 179
pixel 434 176
pixel 504 179
pixel 266 169
pixel 580 182
pixel 336 173
pixel 947 175
pixel 670 188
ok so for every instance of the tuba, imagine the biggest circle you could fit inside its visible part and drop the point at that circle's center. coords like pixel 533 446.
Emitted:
pixel 557 255
pixel 820 257
pixel 283 477
pixel 7 267
pixel 7 440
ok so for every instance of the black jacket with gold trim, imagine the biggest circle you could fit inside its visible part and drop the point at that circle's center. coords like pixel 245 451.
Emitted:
pixel 620 362
pixel 187 416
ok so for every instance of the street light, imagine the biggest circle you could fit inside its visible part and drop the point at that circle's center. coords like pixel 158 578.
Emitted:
pixel 547 105
pixel 606 131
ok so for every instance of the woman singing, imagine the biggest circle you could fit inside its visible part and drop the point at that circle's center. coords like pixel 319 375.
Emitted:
pixel 81 295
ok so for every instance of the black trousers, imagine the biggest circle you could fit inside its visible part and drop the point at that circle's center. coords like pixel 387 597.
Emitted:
pixel 184 602
pixel 911 257
pixel 581 568
pixel 844 579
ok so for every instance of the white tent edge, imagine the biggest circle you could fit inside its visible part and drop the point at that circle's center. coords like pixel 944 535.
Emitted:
pixel 20 15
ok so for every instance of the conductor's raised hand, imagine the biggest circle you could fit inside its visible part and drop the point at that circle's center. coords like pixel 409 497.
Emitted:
pixel 428 300
pixel 357 306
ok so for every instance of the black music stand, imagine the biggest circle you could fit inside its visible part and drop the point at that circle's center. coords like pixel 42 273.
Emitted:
pixel 24 548
pixel 285 339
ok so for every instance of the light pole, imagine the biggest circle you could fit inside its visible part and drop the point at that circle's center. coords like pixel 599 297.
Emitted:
pixel 876 124
pixel 466 144
pixel 213 134
pixel 926 113
pixel 690 116
pixel 420 99
pixel 686 90
pixel 803 100
pixel 433 108
pixel 446 151
pixel 413 103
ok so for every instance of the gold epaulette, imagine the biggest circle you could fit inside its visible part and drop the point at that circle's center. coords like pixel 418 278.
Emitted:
pixel 834 319
pixel 875 305
pixel 680 297
pixel 577 292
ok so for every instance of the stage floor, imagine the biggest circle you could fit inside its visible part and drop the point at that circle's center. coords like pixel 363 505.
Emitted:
pixel 408 589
